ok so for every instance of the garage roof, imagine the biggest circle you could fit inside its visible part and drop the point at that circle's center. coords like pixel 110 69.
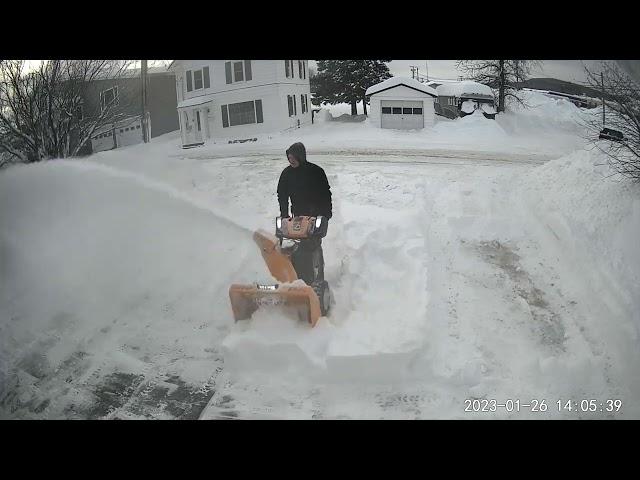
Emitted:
pixel 464 88
pixel 397 81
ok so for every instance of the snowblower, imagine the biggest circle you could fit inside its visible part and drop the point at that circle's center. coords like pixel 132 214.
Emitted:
pixel 294 258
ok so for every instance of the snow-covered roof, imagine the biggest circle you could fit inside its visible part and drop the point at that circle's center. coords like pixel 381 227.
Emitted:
pixel 192 102
pixel 396 81
pixel 459 89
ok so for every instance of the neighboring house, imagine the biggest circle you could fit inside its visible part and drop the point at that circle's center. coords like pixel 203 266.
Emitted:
pixel 127 92
pixel 238 99
pixel 401 103
pixel 458 99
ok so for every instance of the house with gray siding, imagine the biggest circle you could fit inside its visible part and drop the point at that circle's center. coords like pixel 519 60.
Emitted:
pixel 126 90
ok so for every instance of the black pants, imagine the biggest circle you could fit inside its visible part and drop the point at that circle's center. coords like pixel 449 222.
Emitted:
pixel 308 260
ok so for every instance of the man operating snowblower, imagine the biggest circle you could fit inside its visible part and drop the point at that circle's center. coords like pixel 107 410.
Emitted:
pixel 301 258
pixel 307 186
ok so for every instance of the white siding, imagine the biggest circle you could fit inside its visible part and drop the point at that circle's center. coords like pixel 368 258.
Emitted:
pixel 269 83
pixel 402 93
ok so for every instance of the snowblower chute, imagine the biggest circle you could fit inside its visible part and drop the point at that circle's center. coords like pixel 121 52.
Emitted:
pixel 299 259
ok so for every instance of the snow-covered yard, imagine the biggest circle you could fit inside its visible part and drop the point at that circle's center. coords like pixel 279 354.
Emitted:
pixel 477 260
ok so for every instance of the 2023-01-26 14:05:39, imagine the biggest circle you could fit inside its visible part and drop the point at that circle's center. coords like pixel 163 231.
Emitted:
pixel 584 405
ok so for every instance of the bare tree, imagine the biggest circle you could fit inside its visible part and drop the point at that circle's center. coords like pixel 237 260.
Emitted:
pixel 41 111
pixel 617 135
pixel 503 76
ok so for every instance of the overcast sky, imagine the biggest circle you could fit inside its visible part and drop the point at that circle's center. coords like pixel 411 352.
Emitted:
pixel 569 70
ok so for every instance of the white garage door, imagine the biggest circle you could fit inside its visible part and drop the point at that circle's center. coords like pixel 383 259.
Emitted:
pixel 401 115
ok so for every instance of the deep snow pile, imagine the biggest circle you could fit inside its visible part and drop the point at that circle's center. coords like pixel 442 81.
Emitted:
pixel 592 208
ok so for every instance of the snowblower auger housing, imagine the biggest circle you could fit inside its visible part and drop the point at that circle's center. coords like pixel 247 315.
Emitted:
pixel 300 260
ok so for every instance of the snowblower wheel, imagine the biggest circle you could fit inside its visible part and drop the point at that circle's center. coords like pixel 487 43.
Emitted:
pixel 324 295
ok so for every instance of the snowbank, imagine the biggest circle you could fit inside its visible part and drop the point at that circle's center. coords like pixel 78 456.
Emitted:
pixel 595 211
pixel 460 89
pixel 324 115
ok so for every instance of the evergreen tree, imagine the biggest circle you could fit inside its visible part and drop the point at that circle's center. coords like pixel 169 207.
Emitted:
pixel 346 81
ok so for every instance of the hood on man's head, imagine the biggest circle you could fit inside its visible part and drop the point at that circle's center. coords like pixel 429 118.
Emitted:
pixel 298 151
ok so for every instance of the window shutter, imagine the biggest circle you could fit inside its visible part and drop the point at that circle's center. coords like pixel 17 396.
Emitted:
pixel 205 72
pixel 259 111
pixel 295 107
pixel 286 68
pixel 225 117
pixel 189 81
pixel 300 68
pixel 290 105
pixel 293 74
pixel 247 70
pixel 227 71
pixel 302 103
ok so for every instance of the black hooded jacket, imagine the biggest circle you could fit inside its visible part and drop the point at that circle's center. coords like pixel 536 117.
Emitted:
pixel 306 185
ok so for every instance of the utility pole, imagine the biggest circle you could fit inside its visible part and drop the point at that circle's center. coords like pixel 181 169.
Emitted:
pixel 602 81
pixel 145 122
pixel 426 62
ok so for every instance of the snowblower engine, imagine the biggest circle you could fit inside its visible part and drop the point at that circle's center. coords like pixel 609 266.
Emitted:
pixel 297 228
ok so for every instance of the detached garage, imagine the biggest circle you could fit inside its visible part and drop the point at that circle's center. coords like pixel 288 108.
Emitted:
pixel 401 103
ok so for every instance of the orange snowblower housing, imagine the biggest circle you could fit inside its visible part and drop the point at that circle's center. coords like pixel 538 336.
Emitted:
pixel 303 299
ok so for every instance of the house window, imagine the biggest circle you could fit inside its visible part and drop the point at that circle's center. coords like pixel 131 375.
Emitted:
pixel 417 111
pixel 109 98
pixel 198 79
pixel 295 106
pixel 286 68
pixel 306 100
pixel 300 69
pixel 302 103
pixel 397 110
pixel 290 105
pixel 238 72
pixel 242 113
pixel 304 72
pixel 407 111
pixel 386 110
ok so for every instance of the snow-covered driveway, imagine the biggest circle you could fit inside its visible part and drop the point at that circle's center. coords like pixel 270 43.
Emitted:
pixel 457 275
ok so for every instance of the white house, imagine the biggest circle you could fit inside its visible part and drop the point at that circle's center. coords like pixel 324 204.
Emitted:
pixel 401 103
pixel 238 99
